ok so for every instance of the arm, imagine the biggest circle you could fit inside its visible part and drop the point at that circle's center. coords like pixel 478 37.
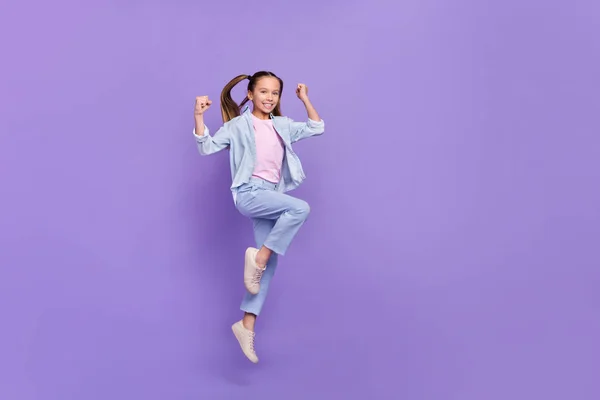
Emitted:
pixel 199 125
pixel 314 126
pixel 310 110
pixel 208 144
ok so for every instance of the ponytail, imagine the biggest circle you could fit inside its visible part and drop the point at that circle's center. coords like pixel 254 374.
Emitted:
pixel 230 109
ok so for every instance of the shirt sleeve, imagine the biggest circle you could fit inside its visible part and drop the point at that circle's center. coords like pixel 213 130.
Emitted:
pixel 303 130
pixel 208 144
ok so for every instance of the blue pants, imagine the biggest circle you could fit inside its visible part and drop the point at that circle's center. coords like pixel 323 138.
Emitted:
pixel 277 218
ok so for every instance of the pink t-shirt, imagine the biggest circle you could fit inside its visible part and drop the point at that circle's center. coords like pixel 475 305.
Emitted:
pixel 269 150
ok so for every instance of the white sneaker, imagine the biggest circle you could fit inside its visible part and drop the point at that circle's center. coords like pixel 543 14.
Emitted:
pixel 252 272
pixel 246 339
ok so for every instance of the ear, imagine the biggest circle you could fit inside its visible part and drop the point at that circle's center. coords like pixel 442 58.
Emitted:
pixel 250 95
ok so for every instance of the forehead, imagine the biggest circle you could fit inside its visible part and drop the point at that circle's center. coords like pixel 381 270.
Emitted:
pixel 268 82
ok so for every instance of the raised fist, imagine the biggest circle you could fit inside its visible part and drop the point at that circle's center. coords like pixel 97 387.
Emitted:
pixel 302 91
pixel 202 104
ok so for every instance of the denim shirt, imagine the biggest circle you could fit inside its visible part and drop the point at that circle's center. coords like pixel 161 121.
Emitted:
pixel 238 135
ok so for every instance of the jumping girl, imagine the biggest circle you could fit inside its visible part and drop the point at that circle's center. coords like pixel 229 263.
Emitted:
pixel 263 167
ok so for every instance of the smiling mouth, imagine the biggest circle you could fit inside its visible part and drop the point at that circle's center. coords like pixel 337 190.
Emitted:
pixel 268 105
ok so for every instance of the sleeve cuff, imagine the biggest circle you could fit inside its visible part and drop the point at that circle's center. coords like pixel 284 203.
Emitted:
pixel 201 138
pixel 315 124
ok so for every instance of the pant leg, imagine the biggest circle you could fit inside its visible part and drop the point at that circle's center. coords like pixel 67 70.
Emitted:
pixel 289 214
pixel 253 303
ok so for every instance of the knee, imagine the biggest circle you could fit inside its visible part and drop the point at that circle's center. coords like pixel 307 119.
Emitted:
pixel 303 209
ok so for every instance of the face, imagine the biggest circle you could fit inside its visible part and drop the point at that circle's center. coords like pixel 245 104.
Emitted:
pixel 265 95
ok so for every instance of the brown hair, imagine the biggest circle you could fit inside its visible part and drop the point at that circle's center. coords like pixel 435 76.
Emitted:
pixel 230 109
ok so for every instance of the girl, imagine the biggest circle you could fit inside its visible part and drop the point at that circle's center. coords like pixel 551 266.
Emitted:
pixel 263 167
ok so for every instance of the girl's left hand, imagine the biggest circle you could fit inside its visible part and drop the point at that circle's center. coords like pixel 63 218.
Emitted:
pixel 302 92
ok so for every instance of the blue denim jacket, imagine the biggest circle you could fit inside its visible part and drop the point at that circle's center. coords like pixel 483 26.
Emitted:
pixel 238 134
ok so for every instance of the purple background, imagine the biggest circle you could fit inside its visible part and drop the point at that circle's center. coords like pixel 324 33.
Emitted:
pixel 452 249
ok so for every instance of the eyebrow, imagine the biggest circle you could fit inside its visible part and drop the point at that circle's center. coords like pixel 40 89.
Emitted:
pixel 264 88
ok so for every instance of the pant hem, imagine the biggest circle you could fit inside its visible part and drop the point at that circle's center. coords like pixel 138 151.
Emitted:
pixel 275 249
pixel 250 310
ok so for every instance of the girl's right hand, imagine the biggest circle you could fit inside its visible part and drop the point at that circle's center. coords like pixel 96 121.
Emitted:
pixel 202 104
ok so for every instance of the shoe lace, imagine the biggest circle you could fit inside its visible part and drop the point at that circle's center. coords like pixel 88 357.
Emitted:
pixel 257 276
pixel 251 336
